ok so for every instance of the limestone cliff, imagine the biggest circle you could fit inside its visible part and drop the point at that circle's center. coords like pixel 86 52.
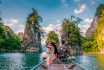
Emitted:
pixel 32 33
pixel 93 26
pixel 96 30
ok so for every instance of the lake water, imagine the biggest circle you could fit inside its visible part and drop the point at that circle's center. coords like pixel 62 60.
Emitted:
pixel 18 61
pixel 25 61
pixel 91 62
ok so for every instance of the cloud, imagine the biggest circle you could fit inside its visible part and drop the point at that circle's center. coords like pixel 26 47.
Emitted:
pixel 14 25
pixel 93 1
pixel 88 20
pixel 14 21
pixel 20 29
pixel 53 27
pixel 81 9
pixel 85 25
pixel 58 21
pixel 56 26
pixel 64 3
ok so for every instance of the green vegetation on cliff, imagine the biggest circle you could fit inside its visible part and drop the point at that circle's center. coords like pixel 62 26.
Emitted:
pixel 70 33
pixel 52 36
pixel 8 40
pixel 100 10
pixel 33 32
pixel 99 35
pixel 96 40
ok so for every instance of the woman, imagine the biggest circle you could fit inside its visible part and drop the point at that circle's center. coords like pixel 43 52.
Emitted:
pixel 52 54
pixel 53 58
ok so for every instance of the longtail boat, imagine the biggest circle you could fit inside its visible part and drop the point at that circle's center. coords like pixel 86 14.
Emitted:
pixel 72 66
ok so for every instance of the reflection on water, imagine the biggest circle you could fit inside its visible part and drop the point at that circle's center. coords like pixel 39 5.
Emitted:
pixel 91 62
pixel 25 61
pixel 18 61
pixel 100 60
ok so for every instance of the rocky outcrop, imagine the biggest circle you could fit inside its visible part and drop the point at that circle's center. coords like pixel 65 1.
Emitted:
pixel 96 29
pixel 31 41
pixel 32 34
pixel 92 28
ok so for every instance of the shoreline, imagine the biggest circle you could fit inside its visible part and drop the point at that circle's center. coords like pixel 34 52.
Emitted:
pixel 17 51
pixel 99 53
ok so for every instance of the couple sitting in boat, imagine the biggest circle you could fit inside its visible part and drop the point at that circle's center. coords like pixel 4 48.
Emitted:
pixel 57 55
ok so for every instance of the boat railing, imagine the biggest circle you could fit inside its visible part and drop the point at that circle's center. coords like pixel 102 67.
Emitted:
pixel 35 67
pixel 77 64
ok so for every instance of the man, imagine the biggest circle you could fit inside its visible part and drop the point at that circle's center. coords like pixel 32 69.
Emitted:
pixel 63 52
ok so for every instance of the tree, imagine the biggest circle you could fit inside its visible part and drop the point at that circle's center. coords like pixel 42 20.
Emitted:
pixel 70 33
pixel 99 34
pixel 1 36
pixel 100 10
pixel 75 20
pixel 52 36
pixel 12 42
pixel 33 18
pixel 86 46
pixel 96 37
pixel 8 40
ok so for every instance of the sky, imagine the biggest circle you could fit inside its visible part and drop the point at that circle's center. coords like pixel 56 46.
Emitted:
pixel 53 12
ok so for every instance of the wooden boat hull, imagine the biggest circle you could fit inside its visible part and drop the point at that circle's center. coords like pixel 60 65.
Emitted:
pixel 60 67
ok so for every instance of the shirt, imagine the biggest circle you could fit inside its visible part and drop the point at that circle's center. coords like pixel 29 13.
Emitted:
pixel 63 53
